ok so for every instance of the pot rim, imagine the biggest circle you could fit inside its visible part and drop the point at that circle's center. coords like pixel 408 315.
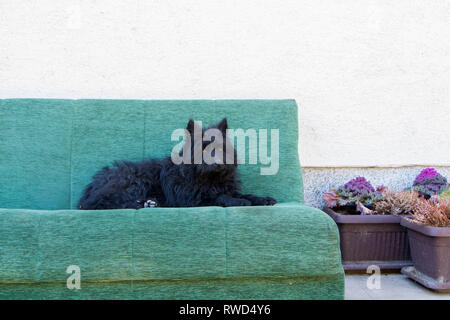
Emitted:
pixel 361 219
pixel 425 229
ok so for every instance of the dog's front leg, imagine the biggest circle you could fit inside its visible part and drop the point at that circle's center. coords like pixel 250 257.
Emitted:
pixel 255 200
pixel 226 200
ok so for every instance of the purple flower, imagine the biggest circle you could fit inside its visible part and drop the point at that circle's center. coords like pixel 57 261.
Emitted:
pixel 426 174
pixel 429 182
pixel 358 186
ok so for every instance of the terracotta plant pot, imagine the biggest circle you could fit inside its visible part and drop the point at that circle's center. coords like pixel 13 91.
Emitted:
pixel 430 251
pixel 371 240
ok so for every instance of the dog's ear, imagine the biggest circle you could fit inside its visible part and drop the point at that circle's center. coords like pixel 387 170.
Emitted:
pixel 190 126
pixel 223 125
pixel 193 126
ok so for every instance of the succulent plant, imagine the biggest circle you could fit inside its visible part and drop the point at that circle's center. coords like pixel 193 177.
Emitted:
pixel 426 174
pixel 357 194
pixel 429 182
pixel 363 209
pixel 358 186
pixel 331 199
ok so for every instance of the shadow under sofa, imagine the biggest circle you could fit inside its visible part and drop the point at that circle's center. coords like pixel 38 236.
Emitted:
pixel 50 148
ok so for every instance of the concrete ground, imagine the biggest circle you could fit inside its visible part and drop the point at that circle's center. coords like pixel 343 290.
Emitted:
pixel 393 286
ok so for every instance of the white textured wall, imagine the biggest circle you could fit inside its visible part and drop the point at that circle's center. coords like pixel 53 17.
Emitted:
pixel 372 78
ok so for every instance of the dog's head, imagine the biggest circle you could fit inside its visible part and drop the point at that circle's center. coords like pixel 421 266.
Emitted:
pixel 210 149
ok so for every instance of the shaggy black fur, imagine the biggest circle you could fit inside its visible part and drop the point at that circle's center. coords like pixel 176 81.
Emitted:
pixel 132 184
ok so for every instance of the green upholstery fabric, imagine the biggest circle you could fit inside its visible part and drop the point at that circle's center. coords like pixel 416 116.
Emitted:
pixel 324 287
pixel 35 138
pixel 49 150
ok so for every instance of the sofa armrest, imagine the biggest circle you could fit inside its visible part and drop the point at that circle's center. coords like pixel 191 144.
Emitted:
pixel 288 239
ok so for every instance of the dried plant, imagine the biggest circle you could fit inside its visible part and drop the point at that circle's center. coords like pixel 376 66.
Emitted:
pixel 396 203
pixel 433 213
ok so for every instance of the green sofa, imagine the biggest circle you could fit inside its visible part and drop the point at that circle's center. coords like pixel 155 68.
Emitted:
pixel 49 150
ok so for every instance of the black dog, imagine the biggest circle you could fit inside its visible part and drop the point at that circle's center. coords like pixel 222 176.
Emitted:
pixel 161 182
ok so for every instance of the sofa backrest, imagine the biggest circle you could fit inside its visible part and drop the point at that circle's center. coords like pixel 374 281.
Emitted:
pixel 50 148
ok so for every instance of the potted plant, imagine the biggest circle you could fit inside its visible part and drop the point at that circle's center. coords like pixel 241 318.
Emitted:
pixel 369 224
pixel 430 183
pixel 429 238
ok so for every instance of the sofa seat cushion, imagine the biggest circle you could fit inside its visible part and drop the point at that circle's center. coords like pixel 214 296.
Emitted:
pixel 288 239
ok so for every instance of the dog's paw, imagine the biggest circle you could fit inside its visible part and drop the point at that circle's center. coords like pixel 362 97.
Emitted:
pixel 263 201
pixel 269 201
pixel 150 204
